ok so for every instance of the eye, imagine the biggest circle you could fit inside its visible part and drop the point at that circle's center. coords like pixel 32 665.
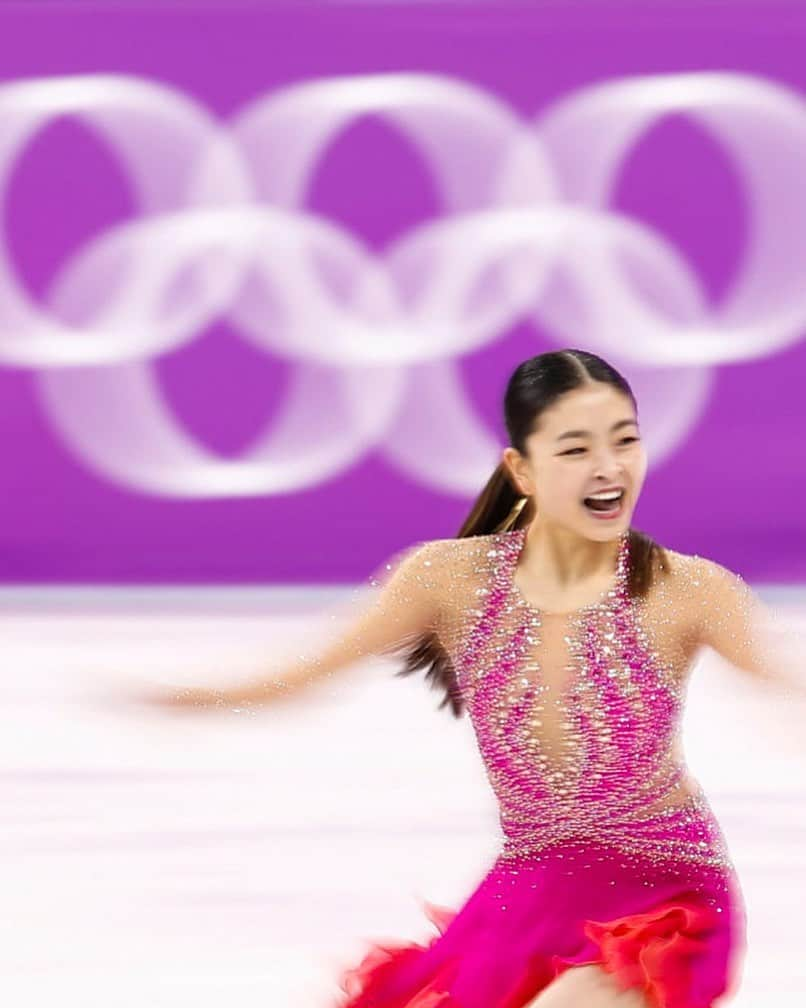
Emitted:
pixel 625 440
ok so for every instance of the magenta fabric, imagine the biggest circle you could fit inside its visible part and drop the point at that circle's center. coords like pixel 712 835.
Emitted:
pixel 678 938
pixel 604 861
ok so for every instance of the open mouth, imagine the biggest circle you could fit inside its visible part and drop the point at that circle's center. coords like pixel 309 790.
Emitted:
pixel 605 504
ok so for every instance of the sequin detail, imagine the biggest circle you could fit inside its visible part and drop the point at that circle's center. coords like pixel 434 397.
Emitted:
pixel 611 854
pixel 578 723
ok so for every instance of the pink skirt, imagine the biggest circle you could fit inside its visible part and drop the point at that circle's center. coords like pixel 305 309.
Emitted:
pixel 672 930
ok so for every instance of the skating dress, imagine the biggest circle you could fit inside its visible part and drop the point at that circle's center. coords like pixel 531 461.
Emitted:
pixel 610 852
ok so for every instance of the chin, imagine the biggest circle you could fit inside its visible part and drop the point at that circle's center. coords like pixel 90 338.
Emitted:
pixel 606 531
pixel 609 536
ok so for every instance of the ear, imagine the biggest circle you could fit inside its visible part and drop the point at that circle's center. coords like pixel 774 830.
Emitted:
pixel 515 465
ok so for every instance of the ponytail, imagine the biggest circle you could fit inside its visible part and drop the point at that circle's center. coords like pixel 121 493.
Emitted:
pixel 533 387
pixel 498 507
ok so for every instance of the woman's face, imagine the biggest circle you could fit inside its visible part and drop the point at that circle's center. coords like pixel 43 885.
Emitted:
pixel 588 441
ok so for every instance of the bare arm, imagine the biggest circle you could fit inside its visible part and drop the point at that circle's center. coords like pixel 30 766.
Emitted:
pixel 403 604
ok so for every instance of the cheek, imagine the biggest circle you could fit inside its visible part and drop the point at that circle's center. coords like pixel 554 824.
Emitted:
pixel 562 488
pixel 638 468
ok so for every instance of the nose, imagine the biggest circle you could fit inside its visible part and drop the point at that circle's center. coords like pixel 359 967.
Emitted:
pixel 606 465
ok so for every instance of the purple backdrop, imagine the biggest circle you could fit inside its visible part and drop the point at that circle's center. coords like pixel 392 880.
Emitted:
pixel 733 490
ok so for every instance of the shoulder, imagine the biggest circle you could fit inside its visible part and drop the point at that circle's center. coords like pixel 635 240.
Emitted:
pixel 444 563
pixel 698 575
pixel 428 552
pixel 706 594
pixel 452 553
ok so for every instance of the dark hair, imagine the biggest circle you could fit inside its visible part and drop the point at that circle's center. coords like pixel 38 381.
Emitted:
pixel 534 386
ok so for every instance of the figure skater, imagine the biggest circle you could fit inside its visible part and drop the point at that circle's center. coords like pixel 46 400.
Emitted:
pixel 567 636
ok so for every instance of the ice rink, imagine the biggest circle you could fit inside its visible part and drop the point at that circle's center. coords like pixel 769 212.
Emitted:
pixel 203 858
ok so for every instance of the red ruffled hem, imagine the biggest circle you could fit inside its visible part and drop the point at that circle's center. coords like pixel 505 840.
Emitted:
pixel 650 951
pixel 359 982
pixel 653 951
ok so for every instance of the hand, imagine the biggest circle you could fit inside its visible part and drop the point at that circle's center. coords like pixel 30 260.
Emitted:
pixel 192 698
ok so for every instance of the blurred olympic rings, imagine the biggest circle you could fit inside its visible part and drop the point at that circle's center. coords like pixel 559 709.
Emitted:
pixel 526 233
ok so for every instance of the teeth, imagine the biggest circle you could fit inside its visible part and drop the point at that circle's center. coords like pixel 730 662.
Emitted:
pixel 606 495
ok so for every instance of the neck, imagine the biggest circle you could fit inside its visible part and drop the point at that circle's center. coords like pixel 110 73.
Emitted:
pixel 562 559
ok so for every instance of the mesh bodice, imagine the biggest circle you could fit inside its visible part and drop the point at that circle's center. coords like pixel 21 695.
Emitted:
pixel 577 715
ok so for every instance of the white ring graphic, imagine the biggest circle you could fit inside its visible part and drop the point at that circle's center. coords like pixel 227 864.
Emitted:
pixel 374 339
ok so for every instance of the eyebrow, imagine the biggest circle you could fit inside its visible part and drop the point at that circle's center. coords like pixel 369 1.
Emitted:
pixel 584 433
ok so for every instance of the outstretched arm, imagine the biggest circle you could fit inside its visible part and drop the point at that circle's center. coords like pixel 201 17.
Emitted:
pixel 730 618
pixel 402 605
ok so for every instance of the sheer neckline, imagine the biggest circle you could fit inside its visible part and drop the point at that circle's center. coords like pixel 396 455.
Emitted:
pixel 517 542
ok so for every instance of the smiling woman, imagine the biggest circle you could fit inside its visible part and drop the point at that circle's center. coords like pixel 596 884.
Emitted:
pixel 568 637
pixel 614 886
